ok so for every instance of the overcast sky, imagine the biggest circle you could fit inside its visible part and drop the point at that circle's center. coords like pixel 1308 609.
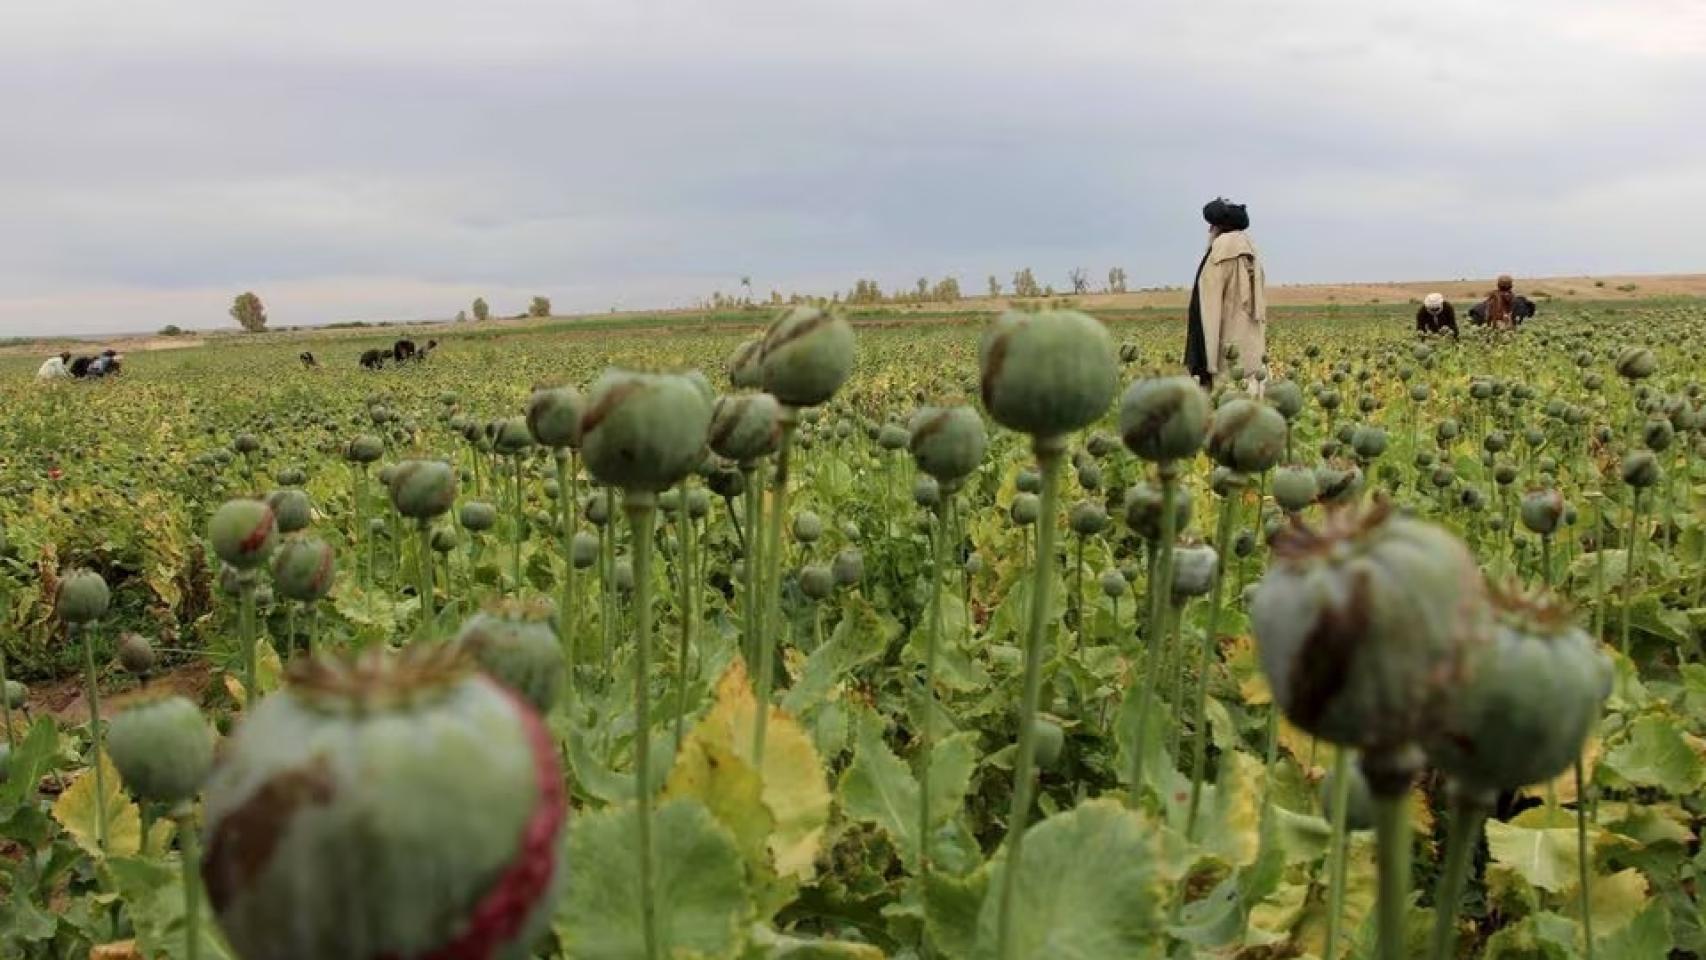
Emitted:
pixel 391 159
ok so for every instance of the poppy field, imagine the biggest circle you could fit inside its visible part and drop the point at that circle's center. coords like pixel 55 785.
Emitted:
pixel 811 636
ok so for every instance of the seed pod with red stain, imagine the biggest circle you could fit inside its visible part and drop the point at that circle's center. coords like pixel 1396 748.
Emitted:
pixel 947 442
pixel 303 569
pixel 162 748
pixel 243 533
pixel 1533 695
pixel 1365 627
pixel 423 489
pixel 1047 374
pixel 1247 436
pixel 746 426
pixel 517 643
pixel 554 416
pixel 83 596
pixel 745 370
pixel 391 806
pixel 808 355
pixel 1164 418
pixel 644 431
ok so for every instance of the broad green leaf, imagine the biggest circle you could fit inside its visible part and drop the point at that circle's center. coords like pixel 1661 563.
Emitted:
pixel 952 764
pixel 1091 886
pixel 861 636
pixel 30 760
pixel 767 944
pixel 1361 882
pixel 1229 810
pixel 877 787
pixel 153 895
pixel 703 908
pixel 1544 936
pixel 1545 857
pixel 1614 900
pixel 1647 936
pixel 1657 755
pixel 951 907
pixel 76 812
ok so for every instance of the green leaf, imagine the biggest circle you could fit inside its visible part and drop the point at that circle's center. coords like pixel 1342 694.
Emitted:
pixel 1091 886
pixel 877 787
pixel 1647 936
pixel 153 895
pixel 702 903
pixel 951 907
pixel 1546 857
pixel 1656 755
pixel 76 811
pixel 1615 900
pixel 859 637
pixel 767 944
pixel 31 759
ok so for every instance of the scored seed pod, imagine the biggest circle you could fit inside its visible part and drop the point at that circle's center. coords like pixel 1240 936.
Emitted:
pixel 1295 488
pixel 1542 510
pixel 291 509
pixel 1286 397
pixel 303 569
pixel 1193 570
pixel 554 417
pixel 1087 518
pixel 1641 470
pixel 1247 436
pixel 1025 508
pixel 1338 485
pixel 364 449
pixel 644 431
pixel 1365 626
pixel 1368 441
pixel 163 749
pixel 1636 363
pixel 511 437
pixel 1164 418
pixel 1113 583
pixel 385 762
pixel 82 597
pixel 291 477
pixel 478 516
pixel 423 489
pixel 243 532
pixel 746 426
pixel 1048 373
pixel 745 369
pixel 817 581
pixel 1531 697
pixel 808 355
pixel 1142 510
pixel 135 654
pixel 516 642
pixel 926 492
pixel 848 567
pixel 947 443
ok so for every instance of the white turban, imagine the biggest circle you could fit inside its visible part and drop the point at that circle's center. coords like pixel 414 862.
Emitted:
pixel 1433 301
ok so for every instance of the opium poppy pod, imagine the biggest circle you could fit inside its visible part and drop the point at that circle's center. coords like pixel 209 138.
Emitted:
pixel 1193 570
pixel 83 596
pixel 304 569
pixel 745 369
pixel 1286 397
pixel 517 643
pixel 948 443
pixel 478 516
pixel 644 431
pixel 1295 488
pixel 892 436
pixel 243 533
pixel 1164 418
pixel 292 509
pixel 1365 627
pixel 554 416
pixel 746 426
pixel 1542 510
pixel 1531 698
pixel 1047 374
pixel 1143 511
pixel 849 567
pixel 163 749
pixel 817 581
pixel 1636 363
pixel 808 355
pixel 364 449
pixel 1247 436
pixel 511 436
pixel 423 489
pixel 392 806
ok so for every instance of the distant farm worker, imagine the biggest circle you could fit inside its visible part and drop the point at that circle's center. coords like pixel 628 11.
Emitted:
pixel 1436 316
pixel 1228 301
pixel 56 368
pixel 1503 309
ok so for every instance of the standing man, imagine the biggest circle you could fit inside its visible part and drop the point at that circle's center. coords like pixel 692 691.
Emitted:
pixel 1436 316
pixel 1229 300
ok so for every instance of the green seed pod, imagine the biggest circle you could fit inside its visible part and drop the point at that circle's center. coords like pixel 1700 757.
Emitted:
pixel 1369 442
pixel 1113 583
pixel 512 437
pixel 1443 476
pixel 1087 518
pixel 554 417
pixel 746 426
pixel 163 749
pixel 291 509
pixel 1049 742
pixel 1419 392
pixel 1225 482
pixel 1193 571
pixel 303 569
pixel 727 484
pixel 745 364
pixel 1248 437
pixel 598 508
pixel 82 597
pixel 246 443
pixel 644 431
pixel 386 474
pixel 1528 701
pixel 135 654
pixel 1445 431
pixel 817 581
pixel 443 540
pixel 1090 477
pixel 808 355
pixel 623 574
pixel 892 436
pixel 926 492
pixel 1636 363
pixel 1504 474
pixel 1347 433
pixel 1541 511
pixel 1100 445
pixel 16 694
pixel 1641 470
pixel 1329 399
pixel 1359 802
pixel 1047 374
pixel 1142 509
pixel 243 533
pixel 516 643
pixel 807 527
pixel 291 477
pixel 1028 481
pixel 1025 508
pixel 1286 397
pixel 423 489
pixel 974 564
pixel 669 501
pixel 478 516
pixel 364 450
pixel 1129 352
pixel 947 443
pixel 1658 435
pixel 1294 488
pixel 384 762
pixel 1363 627
pixel 583 550
pixel 848 567
pixel 1164 418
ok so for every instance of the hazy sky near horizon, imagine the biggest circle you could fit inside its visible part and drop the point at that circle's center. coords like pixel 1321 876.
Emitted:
pixel 392 159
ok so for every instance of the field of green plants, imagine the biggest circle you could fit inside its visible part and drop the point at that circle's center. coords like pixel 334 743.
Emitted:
pixel 982 639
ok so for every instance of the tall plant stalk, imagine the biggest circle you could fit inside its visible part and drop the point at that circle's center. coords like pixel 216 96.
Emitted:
pixel 94 693
pixel 1584 864
pixel 568 501
pixel 641 507
pixel 932 640
pixel 1199 756
pixel 424 577
pixel 771 602
pixel 246 636
pixel 1160 589
pixel 1049 451
pixel 1629 568
pixel 1467 816
pixel 753 500
pixel 1336 850
pixel 689 584
pixel 190 863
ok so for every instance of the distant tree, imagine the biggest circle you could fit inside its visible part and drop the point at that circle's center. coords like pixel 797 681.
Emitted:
pixel 481 311
pixel 923 288
pixel 1048 291
pixel 461 316
pixel 1080 280
pixel 946 291
pixel 171 330
pixel 249 313
pixel 994 286
pixel 1116 279
pixel 865 292
pixel 540 307
pixel 775 298
pixel 1025 284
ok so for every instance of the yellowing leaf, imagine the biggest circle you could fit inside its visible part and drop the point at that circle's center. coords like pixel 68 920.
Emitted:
pixel 1615 900
pixel 1545 857
pixel 76 812
pixel 729 788
pixel 268 672
pixel 121 950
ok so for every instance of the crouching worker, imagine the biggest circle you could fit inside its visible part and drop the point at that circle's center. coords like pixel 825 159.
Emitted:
pixel 1437 316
